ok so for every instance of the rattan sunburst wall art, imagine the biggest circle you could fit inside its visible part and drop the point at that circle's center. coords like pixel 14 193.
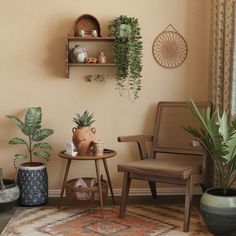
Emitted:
pixel 169 48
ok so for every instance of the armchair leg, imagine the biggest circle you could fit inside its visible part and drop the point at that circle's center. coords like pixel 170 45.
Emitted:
pixel 125 193
pixel 188 202
pixel 203 187
pixel 153 189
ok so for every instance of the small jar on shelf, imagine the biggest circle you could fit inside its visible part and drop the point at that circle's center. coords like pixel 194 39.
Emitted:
pixel 101 58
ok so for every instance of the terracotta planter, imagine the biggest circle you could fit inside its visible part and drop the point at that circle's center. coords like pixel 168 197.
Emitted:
pixel 83 138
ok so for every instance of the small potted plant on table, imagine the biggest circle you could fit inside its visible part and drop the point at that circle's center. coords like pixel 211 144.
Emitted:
pixel 83 134
pixel 32 176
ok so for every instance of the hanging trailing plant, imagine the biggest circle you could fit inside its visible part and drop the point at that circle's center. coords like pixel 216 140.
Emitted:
pixel 128 53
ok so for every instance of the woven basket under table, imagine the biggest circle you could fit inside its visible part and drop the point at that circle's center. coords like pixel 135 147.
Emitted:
pixel 85 196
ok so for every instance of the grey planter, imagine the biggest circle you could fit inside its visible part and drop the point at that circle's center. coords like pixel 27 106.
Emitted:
pixel 219 212
pixel 33 184
pixel 9 193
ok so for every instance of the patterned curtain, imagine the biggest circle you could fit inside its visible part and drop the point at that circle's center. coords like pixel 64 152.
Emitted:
pixel 222 69
pixel 221 54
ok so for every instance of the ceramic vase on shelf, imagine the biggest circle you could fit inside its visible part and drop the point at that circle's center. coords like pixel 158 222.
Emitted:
pixel 79 54
pixel 82 138
pixel 101 58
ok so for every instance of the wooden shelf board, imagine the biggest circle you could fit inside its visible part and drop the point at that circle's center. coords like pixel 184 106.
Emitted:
pixel 91 39
pixel 90 64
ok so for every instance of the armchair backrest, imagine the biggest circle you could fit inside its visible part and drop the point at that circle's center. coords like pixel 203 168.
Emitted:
pixel 169 134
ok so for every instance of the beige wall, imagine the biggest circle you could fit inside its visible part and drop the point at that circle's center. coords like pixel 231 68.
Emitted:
pixel 32 73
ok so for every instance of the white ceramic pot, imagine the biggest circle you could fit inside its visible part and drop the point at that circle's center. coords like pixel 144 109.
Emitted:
pixel 79 54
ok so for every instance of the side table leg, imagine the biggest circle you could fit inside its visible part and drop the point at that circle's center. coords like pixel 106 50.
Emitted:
pixel 109 179
pixel 99 186
pixel 64 180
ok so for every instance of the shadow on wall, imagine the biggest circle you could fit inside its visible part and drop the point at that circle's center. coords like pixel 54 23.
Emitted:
pixel 149 123
pixel 197 36
pixel 55 48
pixel 8 129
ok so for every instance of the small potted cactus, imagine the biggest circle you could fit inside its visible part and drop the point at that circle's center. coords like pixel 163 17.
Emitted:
pixel 83 133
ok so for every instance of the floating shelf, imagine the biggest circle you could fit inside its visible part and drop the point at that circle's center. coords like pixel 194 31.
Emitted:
pixel 89 39
pixel 69 39
pixel 91 64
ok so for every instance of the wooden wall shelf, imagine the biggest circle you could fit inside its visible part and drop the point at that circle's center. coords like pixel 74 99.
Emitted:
pixel 70 39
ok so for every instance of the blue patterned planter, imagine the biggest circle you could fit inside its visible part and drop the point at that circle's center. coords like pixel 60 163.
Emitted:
pixel 219 212
pixel 33 184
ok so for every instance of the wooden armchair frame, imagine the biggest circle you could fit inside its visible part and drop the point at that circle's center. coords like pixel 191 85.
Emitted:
pixel 189 174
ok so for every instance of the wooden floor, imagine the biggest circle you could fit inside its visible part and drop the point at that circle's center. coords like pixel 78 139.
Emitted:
pixel 6 212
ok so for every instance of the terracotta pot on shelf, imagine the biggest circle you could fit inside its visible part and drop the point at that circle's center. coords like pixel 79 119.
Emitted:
pixel 101 58
pixel 82 138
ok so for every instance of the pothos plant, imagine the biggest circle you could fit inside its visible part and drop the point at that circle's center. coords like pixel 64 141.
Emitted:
pixel 31 128
pixel 128 53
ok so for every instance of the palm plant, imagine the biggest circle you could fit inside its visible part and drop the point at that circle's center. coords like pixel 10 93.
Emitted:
pixel 218 136
pixel 31 127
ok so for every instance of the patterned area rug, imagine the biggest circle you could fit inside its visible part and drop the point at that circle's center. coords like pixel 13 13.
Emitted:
pixel 141 220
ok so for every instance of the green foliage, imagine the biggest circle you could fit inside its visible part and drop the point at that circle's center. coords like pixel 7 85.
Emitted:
pixel 85 119
pixel 31 127
pixel 128 54
pixel 218 136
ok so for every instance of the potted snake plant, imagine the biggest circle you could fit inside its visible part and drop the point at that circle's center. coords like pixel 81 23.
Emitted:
pixel 128 54
pixel 218 137
pixel 32 177
pixel 83 133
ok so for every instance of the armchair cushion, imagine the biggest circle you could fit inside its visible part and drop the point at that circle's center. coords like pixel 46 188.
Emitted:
pixel 176 166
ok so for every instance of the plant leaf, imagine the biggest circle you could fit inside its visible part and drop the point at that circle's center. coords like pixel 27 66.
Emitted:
pixel 231 148
pixel 17 121
pixel 223 126
pixel 17 141
pixel 39 135
pixel 33 116
pixel 42 145
pixel 44 155
pixel 21 156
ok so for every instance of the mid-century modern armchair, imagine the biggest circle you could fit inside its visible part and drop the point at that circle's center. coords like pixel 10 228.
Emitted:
pixel 175 157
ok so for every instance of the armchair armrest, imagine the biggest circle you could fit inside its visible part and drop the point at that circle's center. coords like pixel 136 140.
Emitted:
pixel 140 140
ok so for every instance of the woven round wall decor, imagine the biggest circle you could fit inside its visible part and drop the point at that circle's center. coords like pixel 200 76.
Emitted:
pixel 169 48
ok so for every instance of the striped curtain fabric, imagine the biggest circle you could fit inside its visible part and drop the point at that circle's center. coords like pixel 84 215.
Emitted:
pixel 222 57
pixel 221 81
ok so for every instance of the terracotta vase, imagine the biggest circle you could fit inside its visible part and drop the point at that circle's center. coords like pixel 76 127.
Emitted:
pixel 83 138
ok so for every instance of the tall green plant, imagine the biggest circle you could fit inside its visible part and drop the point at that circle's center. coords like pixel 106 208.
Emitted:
pixel 218 136
pixel 31 127
pixel 128 54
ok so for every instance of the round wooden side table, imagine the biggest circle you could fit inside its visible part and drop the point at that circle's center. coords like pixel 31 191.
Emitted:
pixel 108 153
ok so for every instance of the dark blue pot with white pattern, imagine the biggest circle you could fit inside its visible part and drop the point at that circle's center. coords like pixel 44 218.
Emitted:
pixel 32 179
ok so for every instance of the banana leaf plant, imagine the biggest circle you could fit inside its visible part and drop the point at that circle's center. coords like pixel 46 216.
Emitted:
pixel 218 137
pixel 31 127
